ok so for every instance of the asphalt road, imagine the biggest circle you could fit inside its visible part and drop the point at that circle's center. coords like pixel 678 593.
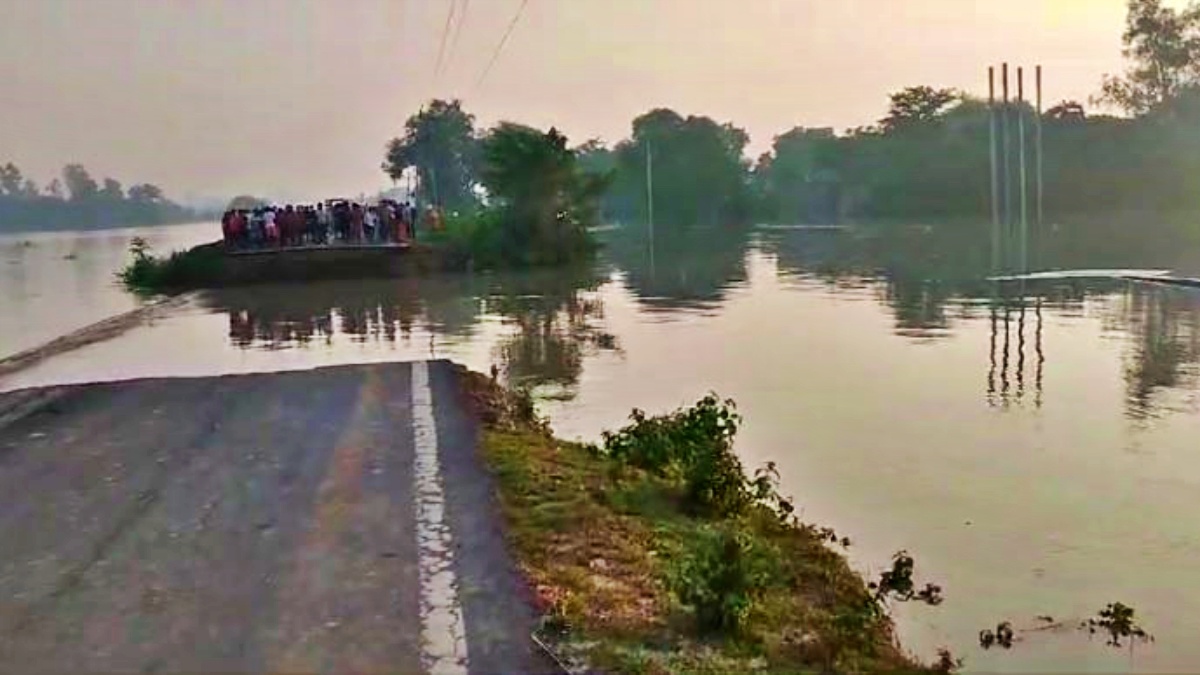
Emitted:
pixel 285 522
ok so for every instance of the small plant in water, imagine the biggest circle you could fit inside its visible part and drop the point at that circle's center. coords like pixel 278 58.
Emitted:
pixel 1118 621
pixel 897 583
pixel 1003 636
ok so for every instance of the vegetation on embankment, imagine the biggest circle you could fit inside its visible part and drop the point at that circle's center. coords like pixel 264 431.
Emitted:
pixel 209 266
pixel 182 270
pixel 657 553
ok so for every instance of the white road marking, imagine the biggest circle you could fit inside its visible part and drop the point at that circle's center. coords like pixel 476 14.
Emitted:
pixel 443 635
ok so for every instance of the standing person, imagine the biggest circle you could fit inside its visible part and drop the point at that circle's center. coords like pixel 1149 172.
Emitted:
pixel 295 225
pixel 324 224
pixel 257 227
pixel 356 222
pixel 371 222
pixel 342 220
pixel 227 228
pixel 237 226
pixel 311 226
pixel 271 227
pixel 386 222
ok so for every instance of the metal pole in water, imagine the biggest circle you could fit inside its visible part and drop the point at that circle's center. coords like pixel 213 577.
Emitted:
pixel 1040 175
pixel 1023 235
pixel 1006 173
pixel 995 175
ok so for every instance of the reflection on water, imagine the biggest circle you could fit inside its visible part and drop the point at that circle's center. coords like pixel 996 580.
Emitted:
pixel 1034 450
pixel 1001 321
pixel 1165 349
pixel 553 318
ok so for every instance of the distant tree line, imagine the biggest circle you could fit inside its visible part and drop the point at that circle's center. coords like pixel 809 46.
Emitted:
pixel 927 158
pixel 76 201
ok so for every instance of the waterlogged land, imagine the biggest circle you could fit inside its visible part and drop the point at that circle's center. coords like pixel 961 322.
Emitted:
pixel 1034 456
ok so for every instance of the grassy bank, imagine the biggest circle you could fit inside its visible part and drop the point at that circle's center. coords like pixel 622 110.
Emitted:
pixel 656 552
pixel 209 266
pixel 197 267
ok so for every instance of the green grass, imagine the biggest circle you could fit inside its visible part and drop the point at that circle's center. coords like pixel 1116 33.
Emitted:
pixel 600 544
pixel 181 270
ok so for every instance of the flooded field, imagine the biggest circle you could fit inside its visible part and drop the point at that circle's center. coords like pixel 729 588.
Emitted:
pixel 1035 453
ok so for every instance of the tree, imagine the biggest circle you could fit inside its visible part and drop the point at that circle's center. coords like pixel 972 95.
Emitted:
pixel 55 189
pixel 80 185
pixel 145 193
pixel 595 157
pixel 797 180
pixel 1164 46
pixel 439 141
pixel 917 106
pixel 543 201
pixel 700 173
pixel 10 180
pixel 112 190
pixel 29 188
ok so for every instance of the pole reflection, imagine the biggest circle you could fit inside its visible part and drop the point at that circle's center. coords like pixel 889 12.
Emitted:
pixel 1009 367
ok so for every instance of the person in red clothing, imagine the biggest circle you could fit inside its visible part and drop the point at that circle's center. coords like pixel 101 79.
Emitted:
pixel 289 229
pixel 237 228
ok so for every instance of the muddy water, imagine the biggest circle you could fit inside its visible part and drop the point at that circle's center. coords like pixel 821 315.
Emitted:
pixel 1035 453
pixel 53 283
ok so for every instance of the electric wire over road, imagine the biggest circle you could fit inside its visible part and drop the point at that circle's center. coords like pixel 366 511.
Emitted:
pixel 503 41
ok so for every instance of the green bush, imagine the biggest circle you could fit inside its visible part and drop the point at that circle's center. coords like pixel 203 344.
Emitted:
pixel 200 266
pixel 696 445
pixel 721 575
pixel 674 440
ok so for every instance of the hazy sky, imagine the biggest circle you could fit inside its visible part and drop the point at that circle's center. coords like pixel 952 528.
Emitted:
pixel 298 97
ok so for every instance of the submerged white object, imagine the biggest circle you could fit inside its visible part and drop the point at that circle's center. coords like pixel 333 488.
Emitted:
pixel 1083 274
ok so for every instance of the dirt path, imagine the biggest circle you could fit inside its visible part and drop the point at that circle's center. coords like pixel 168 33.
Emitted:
pixel 325 520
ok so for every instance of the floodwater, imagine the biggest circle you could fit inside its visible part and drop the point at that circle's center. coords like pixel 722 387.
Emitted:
pixel 1035 453
pixel 52 283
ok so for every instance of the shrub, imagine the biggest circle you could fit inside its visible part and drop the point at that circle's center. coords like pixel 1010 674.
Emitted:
pixel 721 575
pixel 200 266
pixel 696 445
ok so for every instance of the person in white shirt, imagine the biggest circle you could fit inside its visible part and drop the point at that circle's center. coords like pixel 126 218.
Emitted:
pixel 371 222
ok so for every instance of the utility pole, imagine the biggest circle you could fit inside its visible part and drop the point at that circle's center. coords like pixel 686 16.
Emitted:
pixel 1007 174
pixel 1010 222
pixel 1040 178
pixel 1023 237
pixel 995 173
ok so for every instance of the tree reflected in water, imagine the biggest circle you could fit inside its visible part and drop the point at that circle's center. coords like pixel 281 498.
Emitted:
pixel 1164 348
pixel 687 269
pixel 554 319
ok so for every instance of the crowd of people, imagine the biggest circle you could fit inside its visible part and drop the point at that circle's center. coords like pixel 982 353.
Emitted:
pixel 333 221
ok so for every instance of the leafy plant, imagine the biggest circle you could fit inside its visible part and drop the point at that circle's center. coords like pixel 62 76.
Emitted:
pixel 1003 636
pixel 722 574
pixel 1118 621
pixel 897 583
pixel 147 273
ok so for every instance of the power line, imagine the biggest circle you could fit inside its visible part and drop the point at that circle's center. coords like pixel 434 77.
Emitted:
pixel 462 18
pixel 503 40
pixel 437 69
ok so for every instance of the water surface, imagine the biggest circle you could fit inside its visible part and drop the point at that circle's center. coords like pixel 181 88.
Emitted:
pixel 1035 453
